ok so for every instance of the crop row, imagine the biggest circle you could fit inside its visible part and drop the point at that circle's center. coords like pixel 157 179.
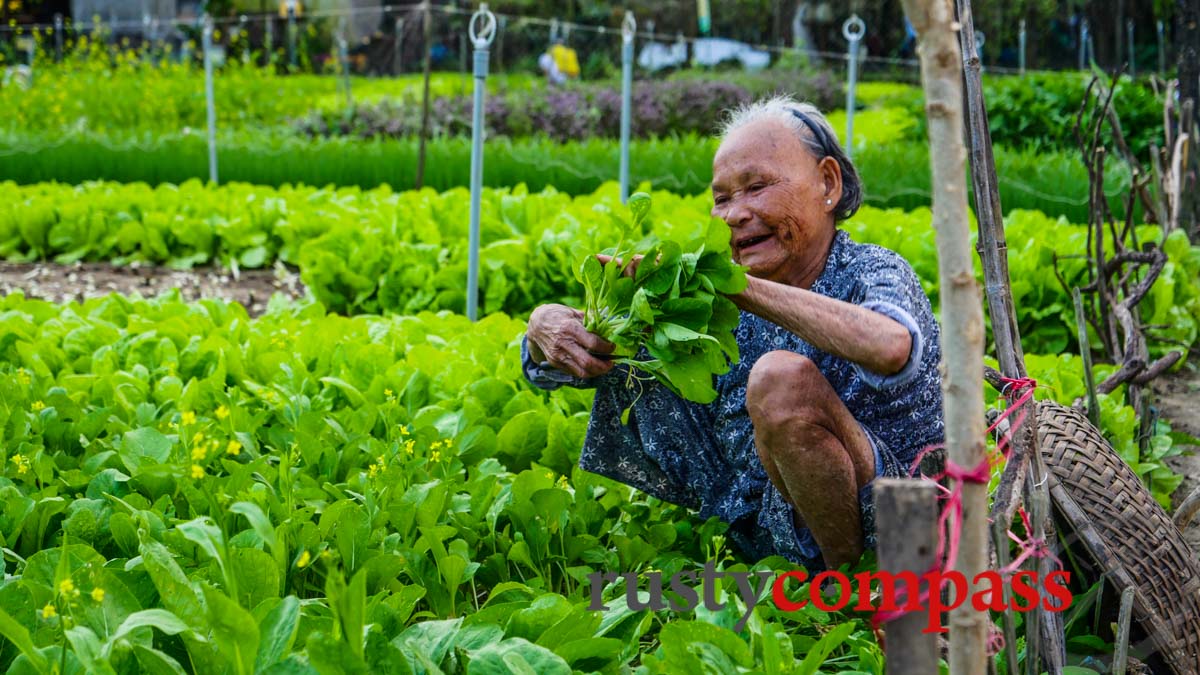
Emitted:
pixel 894 172
pixel 380 251
pixel 310 493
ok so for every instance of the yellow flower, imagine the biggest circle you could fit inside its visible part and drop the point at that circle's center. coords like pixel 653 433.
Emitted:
pixel 49 612
pixel 389 393
pixel 23 376
pixel 98 594
pixel 436 456
pixel 409 446
pixel 66 586
pixel 199 453
pixel 404 430
pixel 550 475
pixel 233 449
pixel 187 418
pixel 305 558
pixel 198 437
pixel 22 463
pixel 37 406
pixel 562 482
pixel 222 412
pixel 197 471
pixel 373 470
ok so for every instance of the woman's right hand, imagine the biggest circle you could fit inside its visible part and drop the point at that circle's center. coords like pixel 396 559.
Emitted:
pixel 556 334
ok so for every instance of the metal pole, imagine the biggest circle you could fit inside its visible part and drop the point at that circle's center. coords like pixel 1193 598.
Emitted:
pixel 397 60
pixel 344 61
pixel 207 34
pixel 185 53
pixel 628 29
pixel 29 44
pixel 245 33
pixel 1132 53
pixel 269 41
pixel 1083 40
pixel 427 48
pixel 1021 48
pixel 853 30
pixel 58 37
pixel 291 32
pixel 482 30
pixel 1162 49
pixel 1091 49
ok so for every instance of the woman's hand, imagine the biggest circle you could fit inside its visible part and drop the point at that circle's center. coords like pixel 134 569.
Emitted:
pixel 556 334
pixel 630 269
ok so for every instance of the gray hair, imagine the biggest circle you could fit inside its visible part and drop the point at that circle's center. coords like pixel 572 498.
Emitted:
pixel 813 130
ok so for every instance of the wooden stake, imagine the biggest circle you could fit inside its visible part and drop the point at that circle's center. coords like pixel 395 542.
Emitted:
pixel 962 311
pixel 1085 351
pixel 906 512
pixel 1121 655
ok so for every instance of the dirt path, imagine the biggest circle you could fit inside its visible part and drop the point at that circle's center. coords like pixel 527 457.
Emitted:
pixel 1178 401
pixel 62 283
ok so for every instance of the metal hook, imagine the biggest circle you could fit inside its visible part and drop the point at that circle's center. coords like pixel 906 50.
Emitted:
pixel 854 28
pixel 628 27
pixel 482 36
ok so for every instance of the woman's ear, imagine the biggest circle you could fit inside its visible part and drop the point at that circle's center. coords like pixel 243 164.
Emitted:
pixel 831 175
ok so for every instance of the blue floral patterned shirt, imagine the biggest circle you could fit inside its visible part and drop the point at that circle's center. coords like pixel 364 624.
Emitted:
pixel 703 455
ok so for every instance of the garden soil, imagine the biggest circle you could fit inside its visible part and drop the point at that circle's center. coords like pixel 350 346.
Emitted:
pixel 1178 401
pixel 62 283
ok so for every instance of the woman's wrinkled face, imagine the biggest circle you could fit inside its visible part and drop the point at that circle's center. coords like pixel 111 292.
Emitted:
pixel 772 192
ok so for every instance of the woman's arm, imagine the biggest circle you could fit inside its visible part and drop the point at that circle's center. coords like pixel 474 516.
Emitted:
pixel 876 342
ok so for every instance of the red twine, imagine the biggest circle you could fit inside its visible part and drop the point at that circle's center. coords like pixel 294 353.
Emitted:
pixel 1018 391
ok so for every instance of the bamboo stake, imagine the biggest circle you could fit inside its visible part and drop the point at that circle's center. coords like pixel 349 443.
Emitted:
pixel 993 251
pixel 1121 655
pixel 962 311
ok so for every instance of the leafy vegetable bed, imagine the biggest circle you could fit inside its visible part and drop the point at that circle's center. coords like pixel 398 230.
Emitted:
pixel 187 489
pixel 892 169
pixel 379 251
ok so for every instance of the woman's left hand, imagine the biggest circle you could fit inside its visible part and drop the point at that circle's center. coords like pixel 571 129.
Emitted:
pixel 630 269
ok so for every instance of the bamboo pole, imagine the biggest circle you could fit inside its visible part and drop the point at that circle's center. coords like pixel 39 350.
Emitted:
pixel 962 311
pixel 1044 629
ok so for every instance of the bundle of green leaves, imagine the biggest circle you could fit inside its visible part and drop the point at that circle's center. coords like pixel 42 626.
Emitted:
pixel 668 299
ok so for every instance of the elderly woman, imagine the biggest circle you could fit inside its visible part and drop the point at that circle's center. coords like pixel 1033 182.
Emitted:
pixel 838 380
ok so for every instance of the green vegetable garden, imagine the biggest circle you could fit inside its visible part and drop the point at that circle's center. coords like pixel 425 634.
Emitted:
pixel 363 480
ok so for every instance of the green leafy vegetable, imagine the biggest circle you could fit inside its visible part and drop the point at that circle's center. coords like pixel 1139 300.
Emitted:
pixel 672 304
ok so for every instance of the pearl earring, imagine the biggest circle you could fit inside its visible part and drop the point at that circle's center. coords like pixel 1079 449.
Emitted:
pixel 828 201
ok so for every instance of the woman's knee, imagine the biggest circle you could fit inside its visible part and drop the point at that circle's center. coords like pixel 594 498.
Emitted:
pixel 781 389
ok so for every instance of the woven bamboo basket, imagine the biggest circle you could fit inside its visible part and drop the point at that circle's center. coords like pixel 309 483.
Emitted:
pixel 1129 537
